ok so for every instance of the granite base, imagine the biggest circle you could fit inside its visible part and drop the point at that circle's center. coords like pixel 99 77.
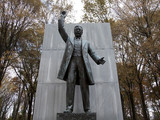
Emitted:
pixel 76 116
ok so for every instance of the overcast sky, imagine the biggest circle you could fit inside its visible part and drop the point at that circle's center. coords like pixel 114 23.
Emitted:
pixel 78 8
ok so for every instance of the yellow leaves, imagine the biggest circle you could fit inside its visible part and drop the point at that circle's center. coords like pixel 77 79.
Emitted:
pixel 40 31
pixel 101 2
pixel 96 11
pixel 11 85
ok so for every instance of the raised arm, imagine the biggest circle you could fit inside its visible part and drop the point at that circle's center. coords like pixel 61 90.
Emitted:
pixel 61 29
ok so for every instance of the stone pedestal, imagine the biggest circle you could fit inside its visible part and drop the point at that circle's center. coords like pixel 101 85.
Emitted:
pixel 51 92
pixel 76 116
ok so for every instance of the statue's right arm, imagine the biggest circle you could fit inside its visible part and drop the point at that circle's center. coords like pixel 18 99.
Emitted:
pixel 61 29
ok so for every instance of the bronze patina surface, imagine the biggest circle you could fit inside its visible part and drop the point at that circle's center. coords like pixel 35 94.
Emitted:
pixel 75 67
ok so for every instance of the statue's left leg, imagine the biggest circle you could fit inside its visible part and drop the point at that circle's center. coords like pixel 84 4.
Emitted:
pixel 84 85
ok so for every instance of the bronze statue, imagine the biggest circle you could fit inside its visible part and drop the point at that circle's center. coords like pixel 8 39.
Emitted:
pixel 75 67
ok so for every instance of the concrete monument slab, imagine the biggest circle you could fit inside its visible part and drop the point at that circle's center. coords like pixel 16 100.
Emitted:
pixel 51 92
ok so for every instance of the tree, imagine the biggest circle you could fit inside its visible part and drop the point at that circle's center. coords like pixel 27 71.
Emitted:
pixel 141 18
pixel 16 16
pixel 7 91
pixel 51 9
pixel 26 65
pixel 136 39
pixel 96 11
pixel 21 34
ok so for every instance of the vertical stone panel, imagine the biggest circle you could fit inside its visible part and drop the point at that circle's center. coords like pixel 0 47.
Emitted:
pixel 51 92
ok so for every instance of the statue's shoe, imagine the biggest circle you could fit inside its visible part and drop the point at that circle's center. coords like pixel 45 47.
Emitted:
pixel 88 111
pixel 68 111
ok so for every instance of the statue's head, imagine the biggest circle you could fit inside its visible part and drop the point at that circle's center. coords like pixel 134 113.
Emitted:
pixel 78 31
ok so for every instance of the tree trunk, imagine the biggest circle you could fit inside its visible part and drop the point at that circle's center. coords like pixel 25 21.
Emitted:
pixel 4 112
pixel 30 106
pixel 123 109
pixel 24 109
pixel 144 107
pixel 133 113
pixel 14 110
pixel 17 104
pixel 1 74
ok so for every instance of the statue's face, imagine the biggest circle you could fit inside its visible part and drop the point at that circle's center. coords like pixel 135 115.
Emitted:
pixel 78 31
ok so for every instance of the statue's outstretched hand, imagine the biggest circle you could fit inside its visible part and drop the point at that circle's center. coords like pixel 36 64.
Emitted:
pixel 101 61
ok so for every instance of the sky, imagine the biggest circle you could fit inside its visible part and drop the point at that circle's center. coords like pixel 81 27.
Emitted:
pixel 78 8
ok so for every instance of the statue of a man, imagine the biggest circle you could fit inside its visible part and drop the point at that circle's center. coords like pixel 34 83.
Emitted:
pixel 75 67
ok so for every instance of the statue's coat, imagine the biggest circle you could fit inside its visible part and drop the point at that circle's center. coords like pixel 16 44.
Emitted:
pixel 86 49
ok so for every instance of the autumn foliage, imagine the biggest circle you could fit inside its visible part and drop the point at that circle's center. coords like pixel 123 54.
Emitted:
pixel 136 36
pixel 21 33
pixel 135 28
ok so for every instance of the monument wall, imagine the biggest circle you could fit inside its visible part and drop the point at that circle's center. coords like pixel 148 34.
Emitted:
pixel 51 92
